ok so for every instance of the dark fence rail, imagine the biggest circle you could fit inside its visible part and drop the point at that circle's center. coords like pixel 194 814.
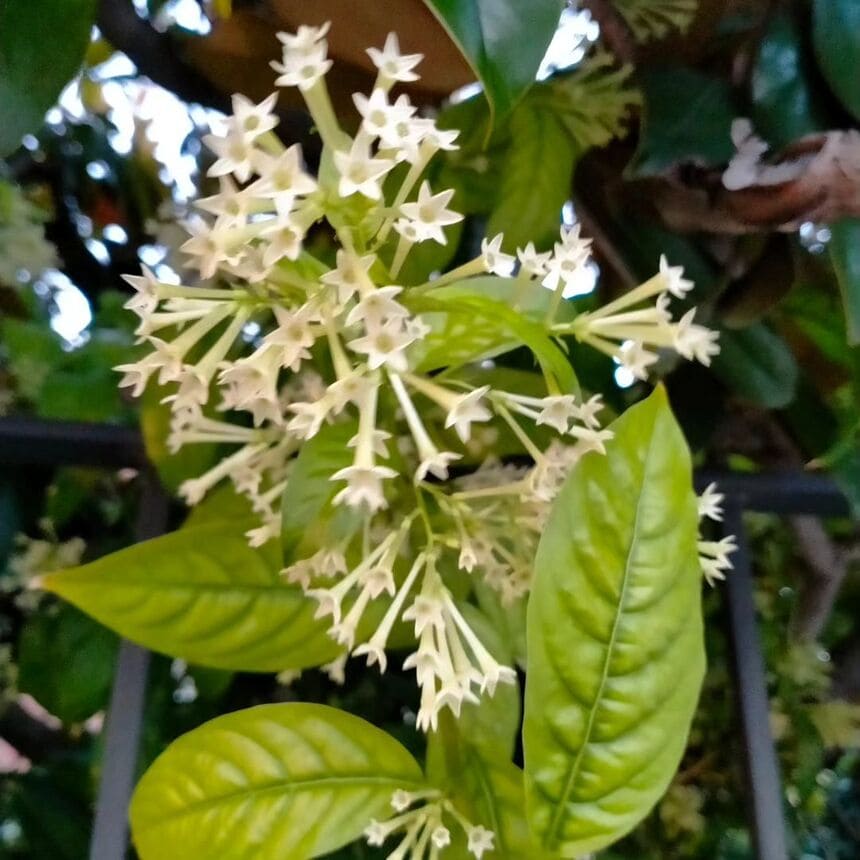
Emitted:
pixel 28 442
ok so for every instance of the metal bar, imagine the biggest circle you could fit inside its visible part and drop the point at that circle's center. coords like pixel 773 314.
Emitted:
pixel 125 712
pixel 780 492
pixel 34 441
pixel 765 810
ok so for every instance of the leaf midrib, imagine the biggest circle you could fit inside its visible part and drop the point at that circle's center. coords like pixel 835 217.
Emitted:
pixel 292 786
pixel 570 782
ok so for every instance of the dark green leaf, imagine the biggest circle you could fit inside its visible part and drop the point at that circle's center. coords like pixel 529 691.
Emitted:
pixel 204 595
pixel 503 46
pixel 276 781
pixel 688 117
pixel 757 364
pixel 615 641
pixel 66 662
pixel 844 250
pixel 41 47
pixel 836 36
pixel 786 102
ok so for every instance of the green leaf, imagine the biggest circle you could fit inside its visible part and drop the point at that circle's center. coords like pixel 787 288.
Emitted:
pixel 787 104
pixel 272 782
pixel 202 594
pixel 41 47
pixel 844 250
pixel 615 642
pixel 688 117
pixel 536 179
pixel 503 46
pixel 757 364
pixel 309 488
pixel 836 38
pixel 480 322
pixel 66 662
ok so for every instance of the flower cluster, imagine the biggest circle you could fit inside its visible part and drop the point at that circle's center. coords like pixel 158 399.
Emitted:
pixel 24 251
pixel 424 833
pixel 288 345
pixel 714 555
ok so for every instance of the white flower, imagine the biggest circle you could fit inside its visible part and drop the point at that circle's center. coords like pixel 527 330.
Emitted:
pixel 235 154
pixel 282 176
pixel 676 284
pixel 401 800
pixel 532 262
pixel 285 235
pixel 364 486
pixel 377 306
pixel 711 503
pixel 467 409
pixel 145 300
pixel 251 120
pixel 480 840
pixel 361 172
pixel 385 345
pixel 633 356
pixel 441 836
pixel 392 65
pixel 495 260
pixel 428 214
pixel 694 341
pixel 380 118
pixel 305 58
pixel 558 412
pixel 714 558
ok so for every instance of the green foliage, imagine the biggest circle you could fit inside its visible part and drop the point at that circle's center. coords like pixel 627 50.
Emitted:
pixel 844 250
pixel 758 364
pixel 41 47
pixel 836 36
pixel 286 780
pixel 502 46
pixel 654 19
pixel 688 117
pixel 554 126
pixel 616 655
pixel 787 103
pixel 204 595
pixel 66 662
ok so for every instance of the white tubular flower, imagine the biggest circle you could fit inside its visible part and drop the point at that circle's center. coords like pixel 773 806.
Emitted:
pixel 285 235
pixel 394 66
pixel 293 337
pixel 251 120
pixel 495 260
pixel 714 558
pixel 633 356
pixel 695 341
pixel 531 262
pixel 235 154
pixel 350 274
pixel 675 282
pixel 376 307
pixel 146 292
pixel 380 118
pixel 567 259
pixel 282 177
pixel 480 840
pixel 385 345
pixel 231 202
pixel 711 503
pixel 360 171
pixel 210 247
pixel 428 214
pixel 305 58
pixel 466 410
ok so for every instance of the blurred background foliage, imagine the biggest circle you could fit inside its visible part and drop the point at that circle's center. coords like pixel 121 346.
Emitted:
pixel 630 131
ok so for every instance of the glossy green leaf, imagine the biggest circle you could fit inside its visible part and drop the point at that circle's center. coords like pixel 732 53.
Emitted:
pixel 204 595
pixel 309 489
pixel 272 782
pixel 503 45
pixel 615 640
pixel 836 37
pixel 66 662
pixel 756 363
pixel 476 320
pixel 688 117
pixel 536 179
pixel 786 102
pixel 41 47
pixel 844 250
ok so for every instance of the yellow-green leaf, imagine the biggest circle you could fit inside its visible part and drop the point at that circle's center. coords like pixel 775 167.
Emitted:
pixel 269 783
pixel 615 645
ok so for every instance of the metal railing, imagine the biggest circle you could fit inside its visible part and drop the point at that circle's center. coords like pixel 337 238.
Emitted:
pixel 26 442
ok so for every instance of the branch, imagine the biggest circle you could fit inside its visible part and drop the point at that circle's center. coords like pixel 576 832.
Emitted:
pixel 31 737
pixel 816 178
